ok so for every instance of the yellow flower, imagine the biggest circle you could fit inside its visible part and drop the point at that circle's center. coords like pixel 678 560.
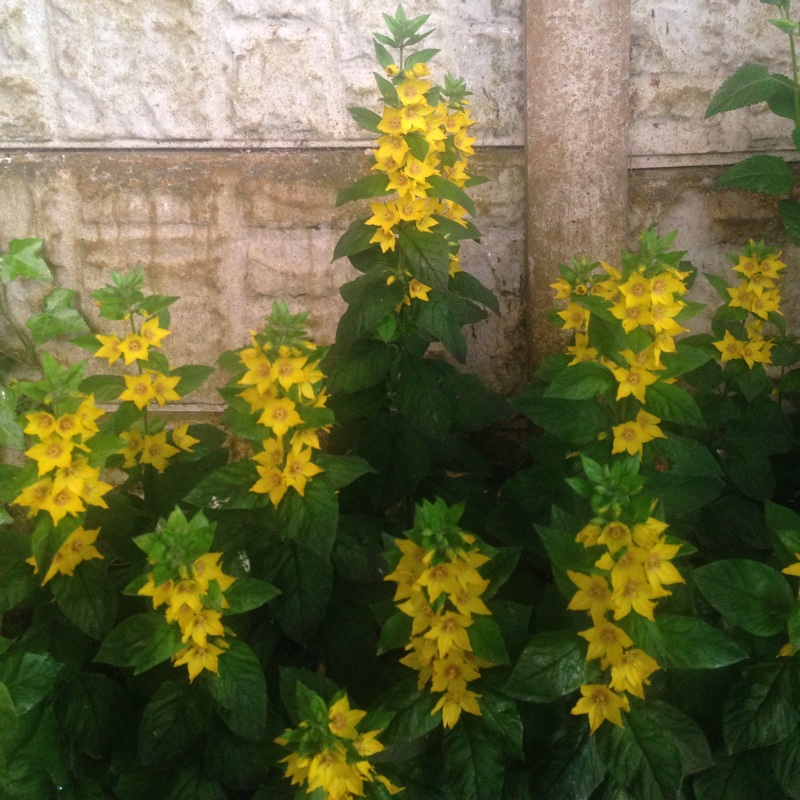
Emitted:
pixel 111 347
pixel 452 673
pixel 271 481
pixel 134 347
pixel 730 347
pixel 454 702
pixel 605 641
pixel 51 453
pixel 181 438
pixel 633 381
pixel 135 444
pixel 78 547
pixel 299 468
pixel 575 316
pixel 259 370
pixel 593 595
pixel 392 70
pixel 342 720
pixel 450 633
pixel 601 704
pixel 199 657
pixel 152 333
pixel 41 424
pixel 156 451
pixel 201 625
pixel 632 671
pixel 34 495
pixel 280 415
pixel 418 290
pixel 164 388
pixel 139 389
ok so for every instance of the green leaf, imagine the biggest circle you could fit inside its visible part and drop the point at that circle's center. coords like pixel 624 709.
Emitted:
pixel 28 678
pixel 420 57
pixel 396 632
pixel 673 404
pixel 551 666
pixel 246 594
pixel 140 641
pixel 172 720
pixel 641 756
pixel 760 173
pixel 582 381
pixel 387 90
pixel 385 58
pixel 366 119
pixel 103 387
pixel 192 376
pixel 354 239
pixel 17 581
pixel 412 713
pixel 741 778
pixel 417 145
pixel 437 319
pixel 23 261
pixel 95 710
pixel 87 598
pixel 784 523
pixel 576 421
pixel 473 760
pixel 470 287
pixel 369 186
pixel 786 763
pixel 565 553
pixel 420 397
pixel 427 257
pixel 454 232
pixel 194 784
pixel 341 471
pixel 501 715
pixel 229 487
pixel 312 518
pixel 370 302
pixel 8 714
pixel 487 641
pixel 750 594
pixel 679 642
pixel 760 709
pixel 445 190
pixel 684 360
pixel 682 731
pixel 720 285
pixel 59 317
pixel 749 85
pixel 239 691
pixel 790 216
pixel 10 431
pixel 572 768
pixel 357 366
pixel 305 580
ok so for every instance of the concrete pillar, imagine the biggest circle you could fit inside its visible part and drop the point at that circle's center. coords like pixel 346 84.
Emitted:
pixel 577 145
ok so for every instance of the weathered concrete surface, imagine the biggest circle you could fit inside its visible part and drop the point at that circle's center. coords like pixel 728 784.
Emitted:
pixel 232 232
pixel 681 52
pixel 712 223
pixel 233 72
pixel 577 55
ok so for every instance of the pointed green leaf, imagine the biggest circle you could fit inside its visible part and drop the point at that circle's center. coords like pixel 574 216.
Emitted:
pixel 759 173
pixel 445 190
pixel 366 119
pixel 369 186
pixel 581 381
pixel 140 641
pixel 427 257
pixel 673 404
pixel 749 85
pixel 355 239
pixel 87 598
pixel 552 665
pixel 790 217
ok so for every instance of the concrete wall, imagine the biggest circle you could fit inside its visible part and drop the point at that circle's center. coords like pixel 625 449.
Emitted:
pixel 207 139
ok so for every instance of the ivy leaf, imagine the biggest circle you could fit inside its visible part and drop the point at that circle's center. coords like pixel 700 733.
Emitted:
pixel 750 594
pixel 23 261
pixel 59 317
pixel 749 85
pixel 760 173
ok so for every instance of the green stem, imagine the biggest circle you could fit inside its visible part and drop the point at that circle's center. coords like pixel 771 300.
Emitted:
pixel 794 75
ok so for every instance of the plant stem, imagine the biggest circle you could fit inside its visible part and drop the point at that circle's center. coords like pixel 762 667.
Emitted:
pixel 30 349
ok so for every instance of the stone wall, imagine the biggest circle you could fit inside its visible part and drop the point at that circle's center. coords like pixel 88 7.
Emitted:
pixel 206 139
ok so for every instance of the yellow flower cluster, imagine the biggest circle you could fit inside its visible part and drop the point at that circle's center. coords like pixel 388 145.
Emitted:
pixel 154 449
pixel 759 294
pixel 638 302
pixel 637 563
pixel 338 766
pixel 435 126
pixel 184 606
pixel 281 382
pixel 66 480
pixel 79 546
pixel 441 596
